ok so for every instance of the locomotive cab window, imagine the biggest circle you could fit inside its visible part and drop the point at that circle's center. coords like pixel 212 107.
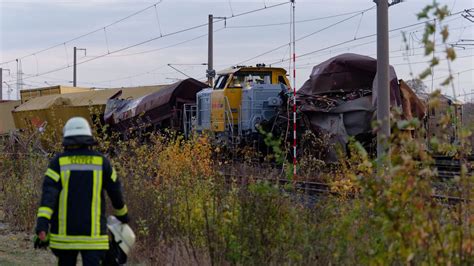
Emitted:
pixel 220 82
pixel 247 79
pixel 281 80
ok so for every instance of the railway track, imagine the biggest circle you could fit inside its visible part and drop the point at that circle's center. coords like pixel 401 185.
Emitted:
pixel 320 189
pixel 449 167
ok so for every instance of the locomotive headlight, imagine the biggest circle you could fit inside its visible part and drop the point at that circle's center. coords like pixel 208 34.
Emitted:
pixel 274 101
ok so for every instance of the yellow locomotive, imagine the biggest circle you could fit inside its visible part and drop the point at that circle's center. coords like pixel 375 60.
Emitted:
pixel 242 98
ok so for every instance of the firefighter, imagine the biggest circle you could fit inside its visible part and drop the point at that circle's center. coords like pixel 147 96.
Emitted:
pixel 71 216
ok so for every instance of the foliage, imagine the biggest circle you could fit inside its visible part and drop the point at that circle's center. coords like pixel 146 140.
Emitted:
pixel 185 210
pixel 417 85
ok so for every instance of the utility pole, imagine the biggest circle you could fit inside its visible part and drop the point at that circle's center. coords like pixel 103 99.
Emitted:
pixel 383 93
pixel 210 52
pixel 74 74
pixel 1 81
pixel 74 68
pixel 9 90
pixel 19 79
pixel 210 72
pixel 383 86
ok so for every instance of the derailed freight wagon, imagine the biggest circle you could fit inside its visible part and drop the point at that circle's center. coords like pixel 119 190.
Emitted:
pixel 49 113
pixel 29 94
pixel 6 119
pixel 242 98
pixel 160 109
pixel 339 99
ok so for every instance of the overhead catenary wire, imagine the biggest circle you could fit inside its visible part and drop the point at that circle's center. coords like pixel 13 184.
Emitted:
pixel 358 25
pixel 361 38
pixel 311 64
pixel 106 40
pixel 457 73
pixel 159 37
pixel 297 21
pixel 67 55
pixel 303 37
pixel 85 34
pixel 168 46
pixel 281 59
pixel 158 21
pixel 231 9
pixel 374 41
pixel 352 40
pixel 427 62
pixel 134 76
pixel 300 66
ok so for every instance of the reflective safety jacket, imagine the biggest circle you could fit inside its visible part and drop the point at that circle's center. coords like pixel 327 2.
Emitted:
pixel 73 201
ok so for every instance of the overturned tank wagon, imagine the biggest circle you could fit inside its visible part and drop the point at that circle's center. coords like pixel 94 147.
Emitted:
pixel 339 99
pixel 159 109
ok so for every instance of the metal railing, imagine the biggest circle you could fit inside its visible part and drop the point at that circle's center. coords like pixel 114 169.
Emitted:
pixel 189 115
pixel 228 117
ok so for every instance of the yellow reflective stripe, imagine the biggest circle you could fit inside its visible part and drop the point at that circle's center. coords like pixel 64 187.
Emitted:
pixel 122 211
pixel 45 212
pixel 81 159
pixel 44 215
pixel 81 167
pixel 79 239
pixel 99 203
pixel 62 210
pixel 79 246
pixel 52 174
pixel 94 199
pixel 96 202
pixel 114 175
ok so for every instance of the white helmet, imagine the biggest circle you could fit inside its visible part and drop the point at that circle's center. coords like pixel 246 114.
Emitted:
pixel 123 234
pixel 77 126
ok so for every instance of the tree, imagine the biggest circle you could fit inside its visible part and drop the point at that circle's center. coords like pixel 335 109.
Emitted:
pixel 417 85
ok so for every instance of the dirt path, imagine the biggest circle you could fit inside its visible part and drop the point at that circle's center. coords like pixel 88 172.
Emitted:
pixel 16 248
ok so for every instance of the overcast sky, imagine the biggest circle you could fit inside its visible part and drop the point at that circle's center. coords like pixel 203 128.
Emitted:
pixel 28 27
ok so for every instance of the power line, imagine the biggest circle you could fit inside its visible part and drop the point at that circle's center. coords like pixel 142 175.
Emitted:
pixel 298 21
pixel 85 34
pixel 142 74
pixel 166 47
pixel 305 66
pixel 427 62
pixel 457 73
pixel 336 45
pixel 311 64
pixel 304 37
pixel 286 60
pixel 301 66
pixel 156 38
pixel 361 38
pixel 256 10
pixel 371 42
pixel 133 76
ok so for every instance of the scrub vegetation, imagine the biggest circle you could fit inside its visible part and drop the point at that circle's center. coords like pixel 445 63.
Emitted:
pixel 185 210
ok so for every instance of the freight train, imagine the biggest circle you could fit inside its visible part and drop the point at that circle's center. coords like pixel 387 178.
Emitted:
pixel 243 98
pixel 337 100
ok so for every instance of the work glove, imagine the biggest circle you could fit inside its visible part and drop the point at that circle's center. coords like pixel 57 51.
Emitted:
pixel 41 240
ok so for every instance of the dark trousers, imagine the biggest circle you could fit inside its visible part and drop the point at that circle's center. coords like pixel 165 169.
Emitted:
pixel 89 257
